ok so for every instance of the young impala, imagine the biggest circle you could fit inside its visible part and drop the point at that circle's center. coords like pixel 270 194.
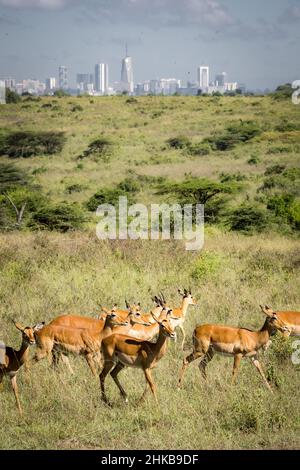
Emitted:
pixel 290 319
pixel 12 360
pixel 121 351
pixel 179 313
pixel 237 342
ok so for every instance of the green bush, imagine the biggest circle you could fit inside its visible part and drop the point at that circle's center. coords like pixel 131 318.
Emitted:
pixel 28 143
pixel 283 92
pixel 254 160
pixel 288 182
pixel 75 188
pixel 76 108
pixel 126 188
pixel 235 133
pixel 199 149
pixel 101 148
pixel 286 208
pixel 11 96
pixel 274 170
pixel 11 176
pixel 61 217
pixel 287 126
pixel 249 218
pixel 179 143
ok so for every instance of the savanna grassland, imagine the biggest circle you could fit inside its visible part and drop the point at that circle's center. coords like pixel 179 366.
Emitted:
pixel 242 155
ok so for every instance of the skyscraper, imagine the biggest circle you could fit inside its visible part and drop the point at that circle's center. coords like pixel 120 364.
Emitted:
pixel 50 83
pixel 203 77
pixel 63 77
pixel 101 78
pixel 2 92
pixel 221 79
pixel 127 74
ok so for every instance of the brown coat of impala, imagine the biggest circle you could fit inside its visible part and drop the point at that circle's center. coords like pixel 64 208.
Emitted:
pixel 78 341
pixel 121 351
pixel 290 319
pixel 14 359
pixel 179 313
pixel 240 343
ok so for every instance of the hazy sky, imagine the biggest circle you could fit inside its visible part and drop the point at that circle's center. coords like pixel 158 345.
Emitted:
pixel 256 41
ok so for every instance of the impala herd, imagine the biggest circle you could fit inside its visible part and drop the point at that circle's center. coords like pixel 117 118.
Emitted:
pixel 125 338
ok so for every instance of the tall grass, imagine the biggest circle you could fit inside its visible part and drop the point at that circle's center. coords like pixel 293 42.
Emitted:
pixel 44 275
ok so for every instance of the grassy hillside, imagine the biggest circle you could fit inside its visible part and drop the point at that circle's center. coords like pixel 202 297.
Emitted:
pixel 44 274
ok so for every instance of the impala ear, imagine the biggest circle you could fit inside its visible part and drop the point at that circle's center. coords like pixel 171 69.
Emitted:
pixel 169 312
pixel 127 304
pixel 39 326
pixel 267 311
pixel 180 292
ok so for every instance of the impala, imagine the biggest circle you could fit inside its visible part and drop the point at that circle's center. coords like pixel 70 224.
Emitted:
pixel 179 313
pixel 121 351
pixel 12 359
pixel 79 341
pixel 237 342
pixel 290 319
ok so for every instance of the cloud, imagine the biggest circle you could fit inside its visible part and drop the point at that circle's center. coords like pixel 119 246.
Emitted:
pixel 46 4
pixel 290 15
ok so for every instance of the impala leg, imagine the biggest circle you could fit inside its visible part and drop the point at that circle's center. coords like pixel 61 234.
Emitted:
pixel 151 384
pixel 66 361
pixel 114 373
pixel 192 357
pixel 91 363
pixel 16 393
pixel 106 369
pixel 1 379
pixel 236 365
pixel 183 336
pixel 204 361
pixel 261 372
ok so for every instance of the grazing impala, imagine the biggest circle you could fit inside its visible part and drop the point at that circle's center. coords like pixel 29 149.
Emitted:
pixel 237 342
pixel 290 319
pixel 12 359
pixel 121 351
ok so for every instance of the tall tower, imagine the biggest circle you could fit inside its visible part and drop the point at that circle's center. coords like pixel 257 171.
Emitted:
pixel 203 77
pixel 101 78
pixel 221 79
pixel 63 77
pixel 127 74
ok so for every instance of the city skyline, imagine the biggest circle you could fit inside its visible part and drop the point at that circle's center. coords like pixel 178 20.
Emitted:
pixel 254 43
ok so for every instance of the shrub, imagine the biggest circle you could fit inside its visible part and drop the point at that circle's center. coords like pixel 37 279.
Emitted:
pixel 248 218
pixel 101 148
pixel 74 188
pixel 76 108
pixel 286 208
pixel 254 160
pixel 288 181
pixel 60 93
pixel 235 133
pixel 180 142
pixel 28 143
pixel 283 92
pixel 274 170
pixel 11 176
pixel 131 100
pixel 62 217
pixel 126 188
pixel 11 96
pixel 287 126
pixel 199 149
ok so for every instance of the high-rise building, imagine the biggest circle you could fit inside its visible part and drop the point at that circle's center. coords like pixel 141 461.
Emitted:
pixel 203 77
pixel 10 83
pixel 85 81
pixel 127 74
pixel 63 77
pixel 50 83
pixel 2 92
pixel 101 78
pixel 221 79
